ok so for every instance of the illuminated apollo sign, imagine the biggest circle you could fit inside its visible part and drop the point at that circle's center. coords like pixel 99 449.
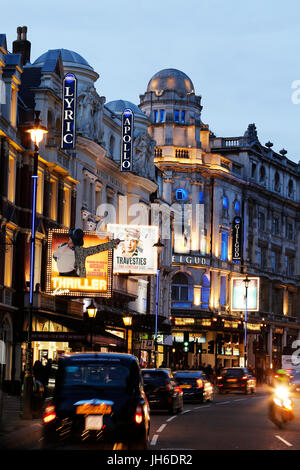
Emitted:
pixel 238 294
pixel 127 138
pixel 63 274
pixel 237 247
pixel 68 135
pixel 135 254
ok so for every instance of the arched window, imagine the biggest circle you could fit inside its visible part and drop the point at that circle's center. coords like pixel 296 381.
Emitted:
pixel 262 174
pixel 225 206
pixel 277 182
pixel 205 290
pixel 237 207
pixel 291 189
pixel 111 145
pixel 182 290
pixel 182 194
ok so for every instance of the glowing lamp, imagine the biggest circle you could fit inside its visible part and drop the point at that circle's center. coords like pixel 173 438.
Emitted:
pixel 92 310
pixel 127 320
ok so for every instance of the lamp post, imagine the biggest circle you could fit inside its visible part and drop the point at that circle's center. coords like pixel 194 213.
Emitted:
pixel 36 133
pixel 92 310
pixel 246 281
pixel 127 320
pixel 159 246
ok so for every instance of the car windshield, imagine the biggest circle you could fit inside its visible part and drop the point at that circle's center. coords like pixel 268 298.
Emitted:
pixel 159 378
pixel 188 375
pixel 98 374
pixel 233 372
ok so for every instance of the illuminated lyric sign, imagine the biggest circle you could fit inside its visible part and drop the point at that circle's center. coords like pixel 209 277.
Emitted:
pixel 238 294
pixel 63 275
pixel 68 134
pixel 135 254
pixel 237 246
pixel 127 138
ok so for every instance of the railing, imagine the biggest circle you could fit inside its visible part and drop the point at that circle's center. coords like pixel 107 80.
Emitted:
pixel 181 153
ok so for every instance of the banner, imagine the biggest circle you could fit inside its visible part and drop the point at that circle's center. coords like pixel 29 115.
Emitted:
pixel 135 254
pixel 68 135
pixel 63 274
pixel 238 294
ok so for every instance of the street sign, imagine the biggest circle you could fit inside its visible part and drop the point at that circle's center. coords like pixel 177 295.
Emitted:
pixel 147 344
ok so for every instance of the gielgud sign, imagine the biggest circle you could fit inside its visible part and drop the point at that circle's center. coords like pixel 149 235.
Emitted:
pixel 135 254
pixel 79 263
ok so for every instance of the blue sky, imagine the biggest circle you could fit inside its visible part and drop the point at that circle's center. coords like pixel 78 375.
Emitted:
pixel 242 57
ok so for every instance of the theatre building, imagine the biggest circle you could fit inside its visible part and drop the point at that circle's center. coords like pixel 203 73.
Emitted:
pixel 210 181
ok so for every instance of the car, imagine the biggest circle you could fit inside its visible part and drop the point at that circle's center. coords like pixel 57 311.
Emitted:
pixel 295 381
pixel 162 390
pixel 98 401
pixel 236 379
pixel 195 385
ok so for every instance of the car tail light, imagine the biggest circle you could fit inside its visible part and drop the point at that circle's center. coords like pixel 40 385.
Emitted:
pixel 199 383
pixel 244 377
pixel 138 417
pixel 219 378
pixel 168 387
pixel 49 413
pixel 178 390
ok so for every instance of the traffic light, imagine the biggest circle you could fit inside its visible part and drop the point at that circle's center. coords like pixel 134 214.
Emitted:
pixel 186 346
pixel 211 347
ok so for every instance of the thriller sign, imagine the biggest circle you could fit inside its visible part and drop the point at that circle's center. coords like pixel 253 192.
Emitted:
pixel 237 246
pixel 127 137
pixel 68 135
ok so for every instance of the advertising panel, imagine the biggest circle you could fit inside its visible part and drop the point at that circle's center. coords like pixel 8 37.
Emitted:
pixel 135 254
pixel 238 294
pixel 85 271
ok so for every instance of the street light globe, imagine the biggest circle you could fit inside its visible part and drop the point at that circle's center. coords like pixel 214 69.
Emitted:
pixel 37 134
pixel 127 320
pixel 92 310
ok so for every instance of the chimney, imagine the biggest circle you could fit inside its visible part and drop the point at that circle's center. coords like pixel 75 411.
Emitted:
pixel 21 45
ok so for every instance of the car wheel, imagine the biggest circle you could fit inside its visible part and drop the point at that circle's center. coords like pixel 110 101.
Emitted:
pixel 246 390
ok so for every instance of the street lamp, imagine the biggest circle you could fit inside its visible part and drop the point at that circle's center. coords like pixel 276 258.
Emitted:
pixel 92 310
pixel 247 282
pixel 127 320
pixel 159 246
pixel 36 133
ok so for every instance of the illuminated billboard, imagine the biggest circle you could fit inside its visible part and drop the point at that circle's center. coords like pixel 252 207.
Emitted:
pixel 83 271
pixel 238 294
pixel 135 254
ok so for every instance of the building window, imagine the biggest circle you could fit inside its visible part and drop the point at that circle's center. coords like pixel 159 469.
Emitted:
pixel 182 194
pixel 290 231
pixel 111 146
pixel 37 262
pixel 183 117
pixel 223 290
pixel 289 265
pixel 253 170
pixel 261 221
pixel 162 115
pixel 237 207
pixel 291 189
pixel 53 199
pixel 40 192
pixel 275 261
pixel 261 256
pixel 201 197
pixel 205 291
pixel 224 246
pixel 180 288
pixel 176 115
pixel 8 266
pixel 225 203
pixel 275 225
pixel 277 182
pixel 262 174
pixel 11 178
pixel 67 207
pixel 13 109
pixel 155 115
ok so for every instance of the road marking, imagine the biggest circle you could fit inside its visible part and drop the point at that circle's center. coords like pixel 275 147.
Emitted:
pixel 241 399
pixel 223 403
pixel 154 440
pixel 201 407
pixel 186 411
pixel 284 441
pixel 161 428
pixel 170 419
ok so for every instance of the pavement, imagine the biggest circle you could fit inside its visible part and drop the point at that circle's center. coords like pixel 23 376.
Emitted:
pixel 13 428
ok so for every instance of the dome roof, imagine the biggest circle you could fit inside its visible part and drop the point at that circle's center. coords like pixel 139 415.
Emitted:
pixel 68 57
pixel 118 106
pixel 171 79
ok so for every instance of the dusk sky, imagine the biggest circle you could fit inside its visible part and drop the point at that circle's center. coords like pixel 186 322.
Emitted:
pixel 242 57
